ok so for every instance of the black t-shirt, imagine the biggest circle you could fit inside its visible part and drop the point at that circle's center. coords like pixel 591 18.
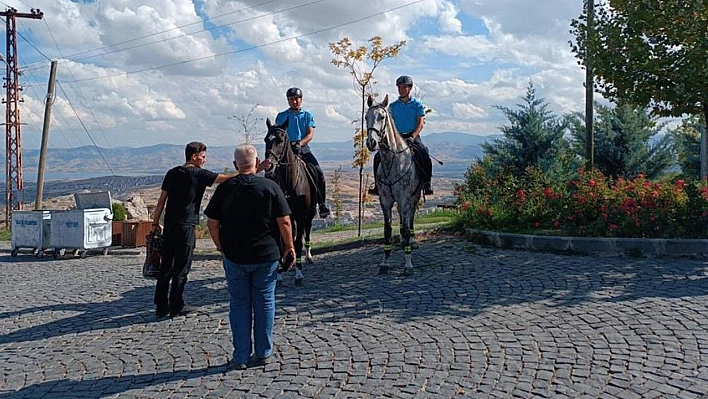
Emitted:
pixel 185 188
pixel 247 226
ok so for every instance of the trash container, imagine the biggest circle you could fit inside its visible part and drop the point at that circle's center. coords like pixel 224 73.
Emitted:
pixel 30 229
pixel 87 227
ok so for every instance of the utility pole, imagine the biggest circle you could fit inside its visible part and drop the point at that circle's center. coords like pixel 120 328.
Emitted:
pixel 13 138
pixel 589 89
pixel 45 136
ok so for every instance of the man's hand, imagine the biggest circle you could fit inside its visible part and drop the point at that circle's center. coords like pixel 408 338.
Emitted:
pixel 288 260
pixel 265 164
pixel 296 147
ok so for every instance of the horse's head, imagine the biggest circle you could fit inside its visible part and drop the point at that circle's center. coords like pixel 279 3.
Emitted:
pixel 376 123
pixel 276 144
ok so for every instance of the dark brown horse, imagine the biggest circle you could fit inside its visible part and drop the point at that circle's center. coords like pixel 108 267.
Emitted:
pixel 291 174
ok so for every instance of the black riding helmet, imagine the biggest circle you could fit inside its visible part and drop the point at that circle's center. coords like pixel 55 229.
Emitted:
pixel 404 80
pixel 293 92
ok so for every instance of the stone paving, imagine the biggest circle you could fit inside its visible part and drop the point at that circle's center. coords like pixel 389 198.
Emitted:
pixel 471 323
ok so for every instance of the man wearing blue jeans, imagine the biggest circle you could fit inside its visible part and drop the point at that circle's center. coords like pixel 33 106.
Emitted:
pixel 248 215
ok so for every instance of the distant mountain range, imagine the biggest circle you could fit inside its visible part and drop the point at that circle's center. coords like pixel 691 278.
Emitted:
pixel 457 150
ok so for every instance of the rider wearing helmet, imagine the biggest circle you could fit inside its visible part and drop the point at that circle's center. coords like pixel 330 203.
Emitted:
pixel 408 115
pixel 301 130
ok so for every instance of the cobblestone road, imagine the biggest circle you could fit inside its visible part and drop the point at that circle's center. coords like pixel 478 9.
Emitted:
pixel 480 324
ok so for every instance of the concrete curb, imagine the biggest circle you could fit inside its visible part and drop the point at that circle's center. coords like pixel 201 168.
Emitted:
pixel 633 247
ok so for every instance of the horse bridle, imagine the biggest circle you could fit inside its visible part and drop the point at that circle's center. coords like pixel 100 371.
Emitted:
pixel 385 145
pixel 278 158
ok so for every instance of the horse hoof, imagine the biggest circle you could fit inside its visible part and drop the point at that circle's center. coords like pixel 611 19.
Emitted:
pixel 279 283
pixel 309 261
pixel 298 281
pixel 383 270
pixel 408 271
pixel 414 245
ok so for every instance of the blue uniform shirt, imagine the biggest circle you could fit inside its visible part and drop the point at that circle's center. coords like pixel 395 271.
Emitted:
pixel 298 122
pixel 405 115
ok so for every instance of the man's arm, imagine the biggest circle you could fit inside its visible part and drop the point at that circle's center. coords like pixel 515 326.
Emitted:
pixel 308 137
pixel 158 210
pixel 213 226
pixel 222 177
pixel 286 236
pixel 419 127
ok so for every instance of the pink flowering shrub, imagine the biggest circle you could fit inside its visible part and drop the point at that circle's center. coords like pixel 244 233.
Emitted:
pixel 590 205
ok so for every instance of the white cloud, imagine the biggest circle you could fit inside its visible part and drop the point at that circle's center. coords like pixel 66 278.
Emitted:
pixel 467 110
pixel 132 96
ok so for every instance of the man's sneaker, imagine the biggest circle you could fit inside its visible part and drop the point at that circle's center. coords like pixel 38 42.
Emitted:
pixel 160 313
pixel 260 361
pixel 324 211
pixel 182 312
pixel 374 190
pixel 428 190
pixel 237 366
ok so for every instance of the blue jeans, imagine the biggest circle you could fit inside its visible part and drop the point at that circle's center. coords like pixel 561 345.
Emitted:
pixel 252 292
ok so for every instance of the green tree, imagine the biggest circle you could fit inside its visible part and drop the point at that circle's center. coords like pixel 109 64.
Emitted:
pixel 336 184
pixel 687 144
pixel 649 53
pixel 534 138
pixel 628 141
pixel 361 62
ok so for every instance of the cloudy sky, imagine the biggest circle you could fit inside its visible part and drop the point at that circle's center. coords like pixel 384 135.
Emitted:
pixel 145 72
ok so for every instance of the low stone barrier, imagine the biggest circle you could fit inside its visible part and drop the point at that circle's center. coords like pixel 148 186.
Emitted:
pixel 634 247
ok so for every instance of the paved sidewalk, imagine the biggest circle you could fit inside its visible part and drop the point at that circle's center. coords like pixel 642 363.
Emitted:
pixel 471 323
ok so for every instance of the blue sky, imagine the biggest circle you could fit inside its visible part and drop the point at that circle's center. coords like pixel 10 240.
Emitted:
pixel 173 71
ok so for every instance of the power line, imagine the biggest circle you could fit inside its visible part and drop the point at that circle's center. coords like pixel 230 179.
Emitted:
pixel 199 31
pixel 85 129
pixel 168 30
pixel 255 46
pixel 175 28
pixel 78 89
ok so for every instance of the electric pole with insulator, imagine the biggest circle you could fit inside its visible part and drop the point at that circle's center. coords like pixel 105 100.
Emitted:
pixel 13 138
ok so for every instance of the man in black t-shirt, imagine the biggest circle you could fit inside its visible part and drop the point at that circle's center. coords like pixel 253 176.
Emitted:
pixel 182 189
pixel 248 215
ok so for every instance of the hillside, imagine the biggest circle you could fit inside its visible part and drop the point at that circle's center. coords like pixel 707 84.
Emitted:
pixel 455 149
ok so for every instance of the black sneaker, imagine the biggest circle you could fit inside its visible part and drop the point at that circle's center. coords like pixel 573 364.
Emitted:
pixel 237 366
pixel 182 312
pixel 160 313
pixel 374 190
pixel 324 211
pixel 428 190
pixel 260 361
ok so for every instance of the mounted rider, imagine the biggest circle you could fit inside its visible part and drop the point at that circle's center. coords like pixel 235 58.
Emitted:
pixel 408 115
pixel 301 130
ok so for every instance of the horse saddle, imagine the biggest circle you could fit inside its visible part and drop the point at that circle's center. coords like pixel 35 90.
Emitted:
pixel 311 175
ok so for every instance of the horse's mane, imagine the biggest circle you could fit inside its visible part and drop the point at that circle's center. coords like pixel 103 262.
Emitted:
pixel 394 139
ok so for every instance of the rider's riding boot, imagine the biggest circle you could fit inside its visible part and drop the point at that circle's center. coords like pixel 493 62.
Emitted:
pixel 428 189
pixel 324 211
pixel 374 190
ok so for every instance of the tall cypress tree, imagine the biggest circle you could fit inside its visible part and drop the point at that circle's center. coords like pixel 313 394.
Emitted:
pixel 628 141
pixel 533 138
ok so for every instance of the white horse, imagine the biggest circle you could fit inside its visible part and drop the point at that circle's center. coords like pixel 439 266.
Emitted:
pixel 397 178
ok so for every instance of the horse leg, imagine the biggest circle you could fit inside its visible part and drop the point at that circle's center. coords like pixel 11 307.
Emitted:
pixel 406 212
pixel 414 242
pixel 386 208
pixel 308 244
pixel 298 254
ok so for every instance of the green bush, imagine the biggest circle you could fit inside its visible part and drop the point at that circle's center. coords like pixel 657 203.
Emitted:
pixel 119 213
pixel 591 205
